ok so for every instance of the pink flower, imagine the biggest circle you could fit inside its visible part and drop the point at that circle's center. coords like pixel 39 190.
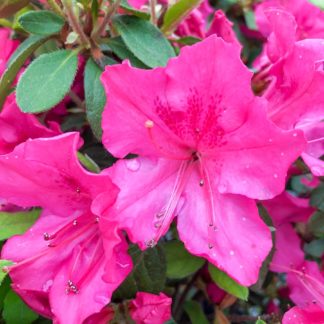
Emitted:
pixel 150 309
pixel 65 268
pixel 310 315
pixel 16 127
pixel 204 141
pixel 7 46
pixel 309 18
pixel 104 317
pixel 294 94
pixel 215 293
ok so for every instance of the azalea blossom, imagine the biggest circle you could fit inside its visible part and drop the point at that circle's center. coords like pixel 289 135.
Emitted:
pixel 7 46
pixel 312 314
pixel 204 140
pixel 65 268
pixel 150 309
pixel 295 82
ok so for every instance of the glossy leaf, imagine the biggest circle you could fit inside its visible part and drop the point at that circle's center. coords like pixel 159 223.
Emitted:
pixel 177 13
pixel 46 81
pixel 317 197
pixel 315 248
pixel 88 163
pixel 119 48
pixel 195 312
pixel 16 223
pixel 144 40
pixel 316 224
pixel 15 311
pixel 41 22
pixel 228 284
pixel 129 9
pixel 180 263
pixel 148 275
pixel 15 63
pixel 94 95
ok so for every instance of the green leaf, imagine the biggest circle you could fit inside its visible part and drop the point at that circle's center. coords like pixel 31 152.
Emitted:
pixel 4 288
pixel 148 275
pixel 318 3
pixel 9 7
pixel 88 163
pixel 15 63
pixel 144 40
pixel 250 19
pixel 315 248
pixel 141 14
pixel 16 223
pixel 227 283
pixel 3 274
pixel 41 22
pixel 260 321
pixel 316 224
pixel 119 48
pixel 15 311
pixel 195 312
pixel 95 97
pixel 180 263
pixel 317 197
pixel 46 81
pixel 188 40
pixel 177 13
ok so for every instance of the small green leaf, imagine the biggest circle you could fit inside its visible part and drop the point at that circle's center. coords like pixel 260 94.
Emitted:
pixel 316 224
pixel 16 223
pixel 46 81
pixel 227 283
pixel 41 22
pixel 4 288
pixel 141 14
pixel 260 321
pixel 144 40
pixel 95 97
pixel 318 3
pixel 3 274
pixel 15 63
pixel 180 263
pixel 250 19
pixel 317 197
pixel 148 275
pixel 177 13
pixel 10 7
pixel 88 163
pixel 15 311
pixel 119 48
pixel 195 312
pixel 188 40
pixel 315 248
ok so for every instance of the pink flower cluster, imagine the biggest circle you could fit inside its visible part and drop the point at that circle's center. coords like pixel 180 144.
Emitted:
pixel 208 150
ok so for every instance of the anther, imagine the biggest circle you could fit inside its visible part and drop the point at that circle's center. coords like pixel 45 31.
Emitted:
pixel 210 246
pixel 46 236
pixel 71 287
pixel 150 243
pixel 149 124
pixel 201 182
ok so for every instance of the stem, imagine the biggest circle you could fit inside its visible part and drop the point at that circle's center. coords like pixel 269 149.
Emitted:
pixel 56 8
pixel 110 12
pixel 76 99
pixel 74 22
pixel 178 307
pixel 153 12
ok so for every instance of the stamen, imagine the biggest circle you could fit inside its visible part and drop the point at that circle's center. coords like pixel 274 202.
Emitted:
pixel 71 287
pixel 149 124
pixel 165 217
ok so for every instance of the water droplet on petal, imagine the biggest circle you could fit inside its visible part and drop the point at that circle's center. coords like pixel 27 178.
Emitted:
pixel 75 222
pixel 210 246
pixel 150 243
pixel 97 219
pixel 270 140
pixel 122 265
pixel 275 175
pixel 158 224
pixel 46 236
pixel 295 134
pixel 232 252
pixel 244 219
pixel 47 285
pixel 78 190
pixel 201 182
pixel 133 164
pixel 282 153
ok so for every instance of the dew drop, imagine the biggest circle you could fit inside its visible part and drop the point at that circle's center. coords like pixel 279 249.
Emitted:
pixel 295 134
pixel 123 265
pixel 275 175
pixel 244 219
pixel 97 219
pixel 150 243
pixel 210 246
pixel 201 182
pixel 75 222
pixel 282 153
pixel 157 224
pixel 270 140
pixel 47 285
pixel 197 130
pixel 222 188
pixel 232 252
pixel 78 190
pixel 46 236
pixel 133 164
